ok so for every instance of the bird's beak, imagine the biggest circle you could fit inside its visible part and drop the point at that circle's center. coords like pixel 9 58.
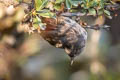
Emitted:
pixel 72 60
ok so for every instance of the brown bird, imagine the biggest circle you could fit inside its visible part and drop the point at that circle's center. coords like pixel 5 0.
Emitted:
pixel 65 33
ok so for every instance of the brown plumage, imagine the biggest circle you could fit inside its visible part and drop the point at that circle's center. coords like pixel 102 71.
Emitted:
pixel 66 34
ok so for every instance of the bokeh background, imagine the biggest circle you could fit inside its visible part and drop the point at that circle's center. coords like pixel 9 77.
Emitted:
pixel 26 56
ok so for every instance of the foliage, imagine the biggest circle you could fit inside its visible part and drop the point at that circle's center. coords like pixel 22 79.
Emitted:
pixel 50 8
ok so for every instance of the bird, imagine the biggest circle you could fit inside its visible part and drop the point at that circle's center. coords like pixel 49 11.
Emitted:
pixel 67 34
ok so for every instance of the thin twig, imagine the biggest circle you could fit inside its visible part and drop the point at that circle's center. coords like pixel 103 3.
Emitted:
pixel 97 27
pixel 68 14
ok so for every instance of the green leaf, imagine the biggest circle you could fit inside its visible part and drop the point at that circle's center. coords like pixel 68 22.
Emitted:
pixel 38 3
pixel 68 5
pixel 44 4
pixel 47 15
pixel 102 3
pixel 107 12
pixel 100 12
pixel 59 1
pixel 94 3
pixel 92 11
pixel 110 17
pixel 74 2
pixel 57 7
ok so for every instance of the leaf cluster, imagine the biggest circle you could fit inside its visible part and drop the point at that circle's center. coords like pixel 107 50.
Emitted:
pixel 49 9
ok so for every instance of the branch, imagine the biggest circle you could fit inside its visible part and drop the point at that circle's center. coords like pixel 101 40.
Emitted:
pixel 112 7
pixel 97 27
pixel 68 14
